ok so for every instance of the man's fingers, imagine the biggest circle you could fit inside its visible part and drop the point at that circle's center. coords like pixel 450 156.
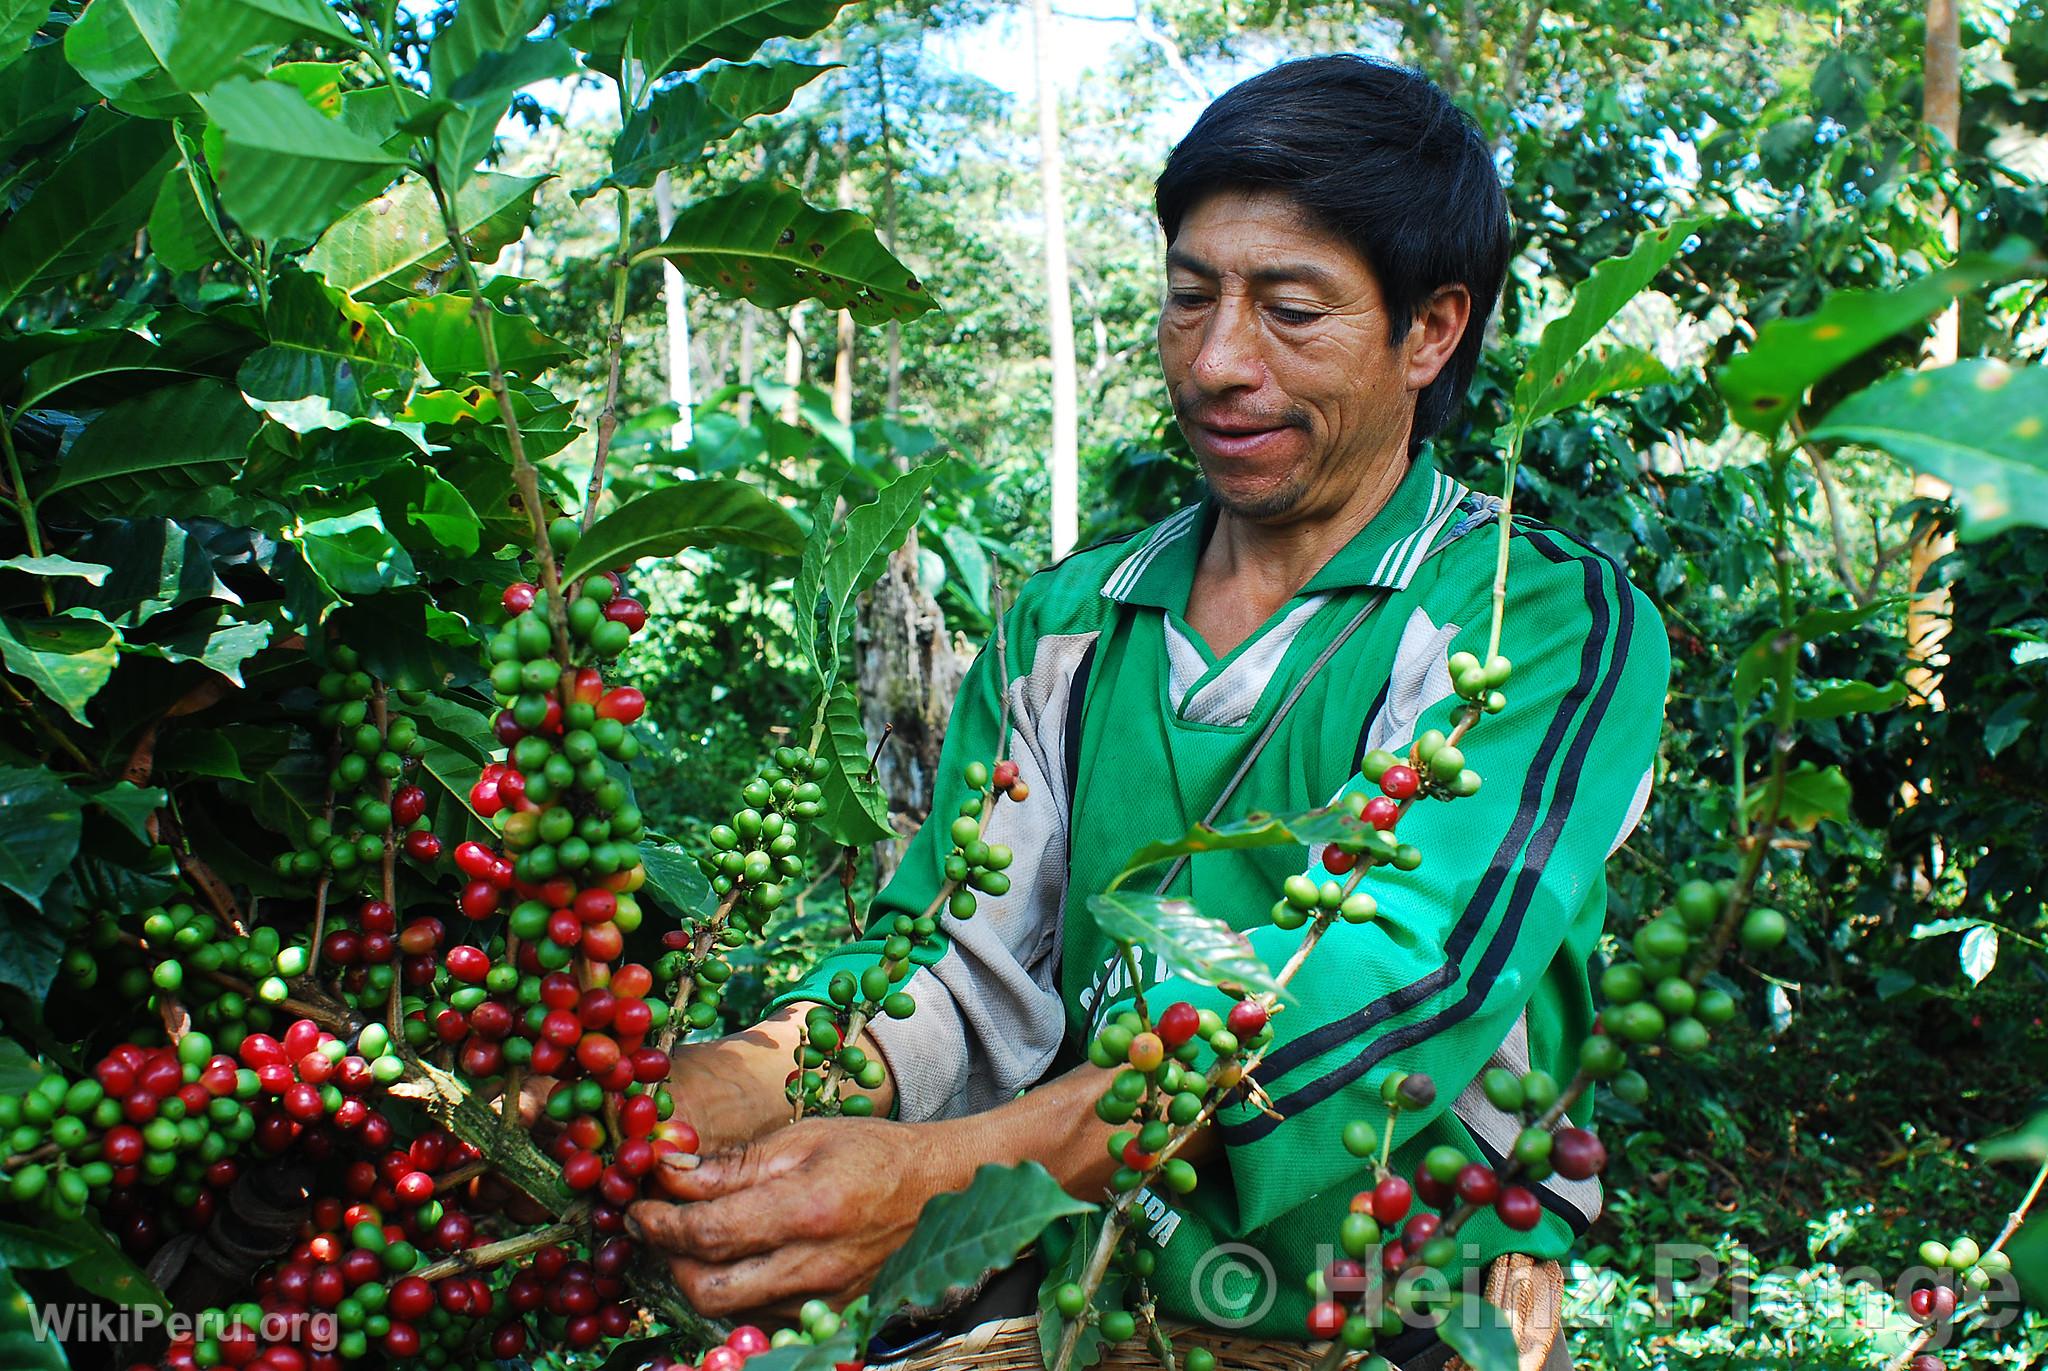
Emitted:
pixel 714 1231
pixel 766 1281
pixel 721 1174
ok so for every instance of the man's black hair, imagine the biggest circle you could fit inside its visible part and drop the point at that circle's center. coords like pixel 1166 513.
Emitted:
pixel 1379 156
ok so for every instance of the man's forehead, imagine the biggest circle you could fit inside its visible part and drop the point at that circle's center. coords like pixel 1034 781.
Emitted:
pixel 1264 237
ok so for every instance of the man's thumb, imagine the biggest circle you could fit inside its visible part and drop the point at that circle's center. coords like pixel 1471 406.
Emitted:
pixel 685 1176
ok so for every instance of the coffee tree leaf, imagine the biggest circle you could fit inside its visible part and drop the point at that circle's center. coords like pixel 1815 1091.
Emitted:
pixel 444 330
pixel 1977 954
pixel 99 1267
pixel 355 555
pixel 480 30
pixel 20 1348
pixel 67 659
pixel 1764 657
pixel 673 876
pixel 330 359
pixel 762 243
pixel 19 1071
pixel 218 643
pixel 53 567
pixel 182 438
pixel 396 242
pixel 95 198
pixel 123 49
pixel 2027 1143
pixel 1072 1268
pixel 1258 830
pixel 19 20
pixel 1980 425
pixel 1549 378
pixel 40 822
pixel 673 129
pixel 1479 1332
pixel 1811 794
pixel 156 564
pixel 853 810
pixel 1838 698
pixel 673 37
pixel 1766 383
pixel 428 513
pixel 1190 943
pixel 217 38
pixel 1608 373
pixel 126 803
pixel 464 121
pixel 841 1349
pixel 713 512
pixel 827 584
pixel 961 1236
pixel 180 344
pixel 181 234
pixel 970 564
pixel 288 171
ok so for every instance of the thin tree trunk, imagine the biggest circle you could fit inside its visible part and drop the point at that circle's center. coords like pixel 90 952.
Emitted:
pixel 892 333
pixel 750 326
pixel 910 672
pixel 1927 617
pixel 1059 312
pixel 793 359
pixel 842 354
pixel 677 305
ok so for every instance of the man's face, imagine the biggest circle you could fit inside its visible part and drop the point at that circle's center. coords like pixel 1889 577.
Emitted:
pixel 1274 341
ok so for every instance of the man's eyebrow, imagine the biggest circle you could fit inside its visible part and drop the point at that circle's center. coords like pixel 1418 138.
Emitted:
pixel 1282 273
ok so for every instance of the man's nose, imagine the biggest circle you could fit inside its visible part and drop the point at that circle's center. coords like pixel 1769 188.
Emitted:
pixel 1229 356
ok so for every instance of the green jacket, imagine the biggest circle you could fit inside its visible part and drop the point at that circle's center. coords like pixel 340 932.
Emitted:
pixel 1126 728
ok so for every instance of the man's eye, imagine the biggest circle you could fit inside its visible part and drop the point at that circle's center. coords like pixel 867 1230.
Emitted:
pixel 1293 316
pixel 1187 299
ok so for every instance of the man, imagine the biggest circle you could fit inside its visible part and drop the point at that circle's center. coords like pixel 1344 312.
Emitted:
pixel 1336 237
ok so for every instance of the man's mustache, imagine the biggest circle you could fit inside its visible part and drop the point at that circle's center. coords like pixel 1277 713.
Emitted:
pixel 1191 409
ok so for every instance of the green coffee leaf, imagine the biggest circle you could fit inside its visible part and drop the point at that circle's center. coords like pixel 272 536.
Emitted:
pixel 713 512
pixel 961 1236
pixel 40 822
pixel 1980 425
pixel 1479 1332
pixel 67 659
pixel 853 810
pixel 1765 384
pixel 1192 944
pixel 182 438
pixel 1811 794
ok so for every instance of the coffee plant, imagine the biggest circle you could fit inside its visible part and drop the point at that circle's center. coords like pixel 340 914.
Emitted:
pixel 341 962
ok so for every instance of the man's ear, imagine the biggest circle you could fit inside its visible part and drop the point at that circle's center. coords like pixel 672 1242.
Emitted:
pixel 1439 325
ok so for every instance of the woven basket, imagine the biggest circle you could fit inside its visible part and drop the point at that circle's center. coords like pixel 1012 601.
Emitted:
pixel 1529 1291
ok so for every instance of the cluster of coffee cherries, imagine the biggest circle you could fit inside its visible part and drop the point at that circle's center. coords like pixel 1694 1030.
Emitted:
pixel 1403 1225
pixel 1959 1270
pixel 753 858
pixel 176 1119
pixel 1649 999
pixel 375 809
pixel 177 949
pixel 973 867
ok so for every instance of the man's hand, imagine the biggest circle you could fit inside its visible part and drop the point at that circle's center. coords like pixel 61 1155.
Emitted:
pixel 809 1210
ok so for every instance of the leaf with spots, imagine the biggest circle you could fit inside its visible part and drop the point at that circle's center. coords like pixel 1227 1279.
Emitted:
pixel 397 243
pixel 1191 944
pixel 764 244
pixel 1765 384
pixel 1550 381
pixel 1980 425
pixel 961 1237
pixel 331 359
pixel 67 659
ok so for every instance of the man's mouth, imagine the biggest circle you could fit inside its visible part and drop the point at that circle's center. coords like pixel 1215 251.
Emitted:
pixel 1240 437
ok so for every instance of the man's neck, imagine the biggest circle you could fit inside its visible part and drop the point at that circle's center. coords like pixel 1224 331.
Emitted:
pixel 1248 570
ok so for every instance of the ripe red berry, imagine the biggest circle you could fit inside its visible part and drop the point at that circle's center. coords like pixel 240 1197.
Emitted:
pixel 1577 1154
pixel 1432 1192
pixel 1178 1023
pixel 519 597
pixel 1337 861
pixel 1381 812
pixel 1518 1208
pixel 408 803
pixel 625 704
pixel 1399 782
pixel 624 609
pixel 467 963
pixel 1247 1017
pixel 1326 1319
pixel 1391 1199
pixel 582 1170
pixel 1005 775
pixel 423 847
pixel 1478 1185
pixel 479 900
